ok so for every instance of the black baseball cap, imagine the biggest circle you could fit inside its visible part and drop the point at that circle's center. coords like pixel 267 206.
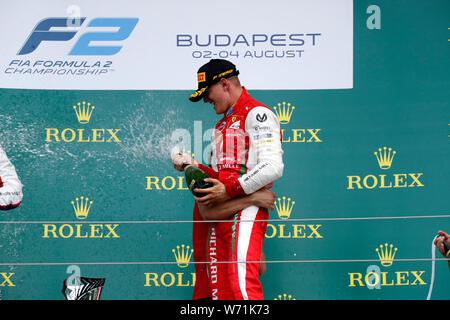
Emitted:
pixel 210 73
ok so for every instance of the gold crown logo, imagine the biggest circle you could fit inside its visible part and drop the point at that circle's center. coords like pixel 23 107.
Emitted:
pixel 82 207
pixel 184 256
pixel 84 111
pixel 284 207
pixel 385 158
pixel 285 296
pixel 386 254
pixel 284 112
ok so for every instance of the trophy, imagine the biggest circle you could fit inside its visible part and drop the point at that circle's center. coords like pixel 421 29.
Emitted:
pixel 83 288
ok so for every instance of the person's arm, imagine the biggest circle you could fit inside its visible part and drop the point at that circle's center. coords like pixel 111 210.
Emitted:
pixel 439 243
pixel 262 265
pixel 10 185
pixel 263 198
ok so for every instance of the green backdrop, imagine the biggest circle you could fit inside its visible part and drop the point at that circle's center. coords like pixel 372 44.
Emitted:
pixel 399 101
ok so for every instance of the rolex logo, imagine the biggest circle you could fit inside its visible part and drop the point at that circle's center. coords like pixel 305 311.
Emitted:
pixel 387 180
pixel 284 208
pixel 385 157
pixel 374 277
pixel 386 254
pixel 284 112
pixel 284 296
pixel 81 207
pixel 184 256
pixel 83 111
pixel 286 230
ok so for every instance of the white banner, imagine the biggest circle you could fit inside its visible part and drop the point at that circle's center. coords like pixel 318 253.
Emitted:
pixel 149 45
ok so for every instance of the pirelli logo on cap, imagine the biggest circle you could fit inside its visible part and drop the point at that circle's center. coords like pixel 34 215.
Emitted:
pixel 223 74
pixel 201 77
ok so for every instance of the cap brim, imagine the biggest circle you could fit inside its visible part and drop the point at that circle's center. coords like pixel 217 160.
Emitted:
pixel 198 95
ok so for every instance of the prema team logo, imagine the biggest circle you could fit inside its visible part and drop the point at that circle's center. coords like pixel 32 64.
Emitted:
pixel 375 278
pixel 385 157
pixel 284 111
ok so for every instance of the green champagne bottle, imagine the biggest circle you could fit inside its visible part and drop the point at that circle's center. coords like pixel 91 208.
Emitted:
pixel 195 179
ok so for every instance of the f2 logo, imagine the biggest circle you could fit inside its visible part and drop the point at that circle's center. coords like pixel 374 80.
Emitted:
pixel 43 32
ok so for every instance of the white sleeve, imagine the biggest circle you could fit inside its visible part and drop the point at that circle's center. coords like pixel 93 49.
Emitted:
pixel 263 128
pixel 11 192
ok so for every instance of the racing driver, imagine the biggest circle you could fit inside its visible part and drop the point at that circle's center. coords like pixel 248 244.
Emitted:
pixel 246 155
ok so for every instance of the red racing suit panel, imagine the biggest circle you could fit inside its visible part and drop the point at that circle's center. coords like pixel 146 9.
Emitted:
pixel 234 252
pixel 10 185
pixel 199 241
